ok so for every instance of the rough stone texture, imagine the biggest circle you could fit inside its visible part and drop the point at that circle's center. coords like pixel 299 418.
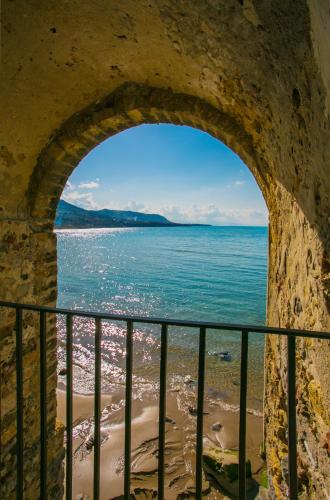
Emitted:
pixel 253 73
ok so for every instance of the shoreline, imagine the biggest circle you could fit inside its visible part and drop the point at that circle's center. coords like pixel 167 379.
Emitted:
pixel 220 431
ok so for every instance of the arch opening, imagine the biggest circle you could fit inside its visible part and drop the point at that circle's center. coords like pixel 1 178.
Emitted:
pixel 129 106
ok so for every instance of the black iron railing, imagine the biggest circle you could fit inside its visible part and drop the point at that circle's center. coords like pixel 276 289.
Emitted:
pixel 164 324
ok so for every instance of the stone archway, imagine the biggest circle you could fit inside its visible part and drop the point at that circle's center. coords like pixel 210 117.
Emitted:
pixel 128 106
pixel 131 105
pixel 254 74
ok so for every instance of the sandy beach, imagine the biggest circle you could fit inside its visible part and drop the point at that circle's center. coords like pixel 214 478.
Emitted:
pixel 220 430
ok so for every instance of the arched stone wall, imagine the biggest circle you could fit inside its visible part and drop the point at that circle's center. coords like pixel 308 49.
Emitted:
pixel 253 74
pixel 131 105
pixel 128 106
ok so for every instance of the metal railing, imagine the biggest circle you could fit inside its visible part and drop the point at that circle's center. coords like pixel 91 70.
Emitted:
pixel 164 324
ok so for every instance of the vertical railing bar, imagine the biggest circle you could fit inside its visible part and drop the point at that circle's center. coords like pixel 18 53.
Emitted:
pixel 69 361
pixel 43 405
pixel 242 415
pixel 292 422
pixel 128 410
pixel 97 410
pixel 162 411
pixel 200 413
pixel 20 405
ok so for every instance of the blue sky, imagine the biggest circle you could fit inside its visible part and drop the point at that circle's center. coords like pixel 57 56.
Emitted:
pixel 176 171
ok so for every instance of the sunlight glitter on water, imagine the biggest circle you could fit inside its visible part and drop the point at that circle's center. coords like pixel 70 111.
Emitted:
pixel 210 274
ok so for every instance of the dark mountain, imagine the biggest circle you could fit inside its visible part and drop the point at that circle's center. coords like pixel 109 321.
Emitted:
pixel 69 216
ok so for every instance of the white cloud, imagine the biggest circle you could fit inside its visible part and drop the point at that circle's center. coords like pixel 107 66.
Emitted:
pixel 201 214
pixel 239 183
pixel 84 200
pixel 72 194
pixel 211 214
pixel 89 185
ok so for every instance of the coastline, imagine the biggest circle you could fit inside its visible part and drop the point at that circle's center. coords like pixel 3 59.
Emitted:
pixel 220 430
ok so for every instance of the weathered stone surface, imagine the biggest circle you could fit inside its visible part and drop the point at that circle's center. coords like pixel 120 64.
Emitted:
pixel 253 74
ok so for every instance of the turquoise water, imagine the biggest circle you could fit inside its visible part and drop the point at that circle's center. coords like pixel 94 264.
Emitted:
pixel 200 273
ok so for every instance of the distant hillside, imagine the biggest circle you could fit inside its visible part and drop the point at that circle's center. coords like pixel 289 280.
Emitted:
pixel 69 216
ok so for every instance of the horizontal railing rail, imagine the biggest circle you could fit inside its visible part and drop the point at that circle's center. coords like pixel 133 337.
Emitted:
pixel 165 323
pixel 171 322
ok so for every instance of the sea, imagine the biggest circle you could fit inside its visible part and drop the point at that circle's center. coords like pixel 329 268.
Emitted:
pixel 200 273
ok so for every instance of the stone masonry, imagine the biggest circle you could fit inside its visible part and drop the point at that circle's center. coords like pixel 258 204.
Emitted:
pixel 252 73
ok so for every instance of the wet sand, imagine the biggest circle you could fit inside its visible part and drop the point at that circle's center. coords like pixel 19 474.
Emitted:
pixel 180 440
